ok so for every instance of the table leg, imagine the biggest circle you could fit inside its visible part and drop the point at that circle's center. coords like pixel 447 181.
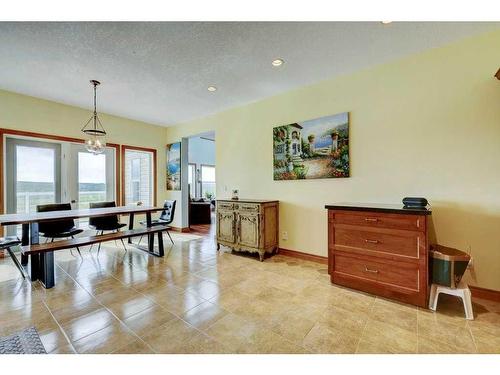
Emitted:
pixel 25 240
pixel 35 258
pixel 131 225
pixel 151 236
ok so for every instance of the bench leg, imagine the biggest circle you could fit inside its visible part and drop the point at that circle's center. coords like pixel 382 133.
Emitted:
pixel 161 251
pixel 170 237
pixel 16 262
pixel 47 268
pixel 25 241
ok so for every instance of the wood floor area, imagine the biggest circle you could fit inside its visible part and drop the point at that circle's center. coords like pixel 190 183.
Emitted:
pixel 196 300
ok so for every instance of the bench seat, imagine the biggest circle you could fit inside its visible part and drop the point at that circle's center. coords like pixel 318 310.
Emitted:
pixel 89 240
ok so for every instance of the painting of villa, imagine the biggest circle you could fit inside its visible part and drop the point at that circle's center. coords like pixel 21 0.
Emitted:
pixel 174 166
pixel 312 149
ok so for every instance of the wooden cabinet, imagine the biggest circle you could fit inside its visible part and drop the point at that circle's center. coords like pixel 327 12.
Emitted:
pixel 380 249
pixel 248 225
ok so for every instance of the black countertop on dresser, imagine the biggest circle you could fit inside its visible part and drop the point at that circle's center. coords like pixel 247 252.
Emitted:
pixel 379 207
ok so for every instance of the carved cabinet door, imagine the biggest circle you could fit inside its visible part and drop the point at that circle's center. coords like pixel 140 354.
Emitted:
pixel 226 226
pixel 248 229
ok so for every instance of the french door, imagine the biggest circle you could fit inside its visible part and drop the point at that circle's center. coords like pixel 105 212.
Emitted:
pixel 39 172
pixel 33 175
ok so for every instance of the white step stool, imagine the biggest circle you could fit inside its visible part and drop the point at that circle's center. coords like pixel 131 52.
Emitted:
pixel 462 291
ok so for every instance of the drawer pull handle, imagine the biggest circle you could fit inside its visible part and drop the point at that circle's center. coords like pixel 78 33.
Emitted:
pixel 371 241
pixel 369 270
pixel 371 219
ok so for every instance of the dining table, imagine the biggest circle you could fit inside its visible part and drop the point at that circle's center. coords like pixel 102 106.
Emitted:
pixel 41 263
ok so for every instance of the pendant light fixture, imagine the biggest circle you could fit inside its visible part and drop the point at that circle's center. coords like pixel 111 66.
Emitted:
pixel 93 129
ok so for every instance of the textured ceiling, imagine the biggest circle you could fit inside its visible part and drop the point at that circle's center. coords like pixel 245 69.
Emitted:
pixel 159 72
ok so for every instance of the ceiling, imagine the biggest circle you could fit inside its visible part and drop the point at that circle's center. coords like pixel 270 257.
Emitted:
pixel 158 72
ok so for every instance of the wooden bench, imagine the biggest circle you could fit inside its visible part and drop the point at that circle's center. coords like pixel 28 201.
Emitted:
pixel 90 240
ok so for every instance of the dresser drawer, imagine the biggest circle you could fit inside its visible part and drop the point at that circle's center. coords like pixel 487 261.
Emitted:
pixel 225 205
pixel 380 220
pixel 247 207
pixel 399 274
pixel 375 241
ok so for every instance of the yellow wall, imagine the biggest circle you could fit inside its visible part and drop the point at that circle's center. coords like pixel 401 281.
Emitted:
pixel 27 113
pixel 428 125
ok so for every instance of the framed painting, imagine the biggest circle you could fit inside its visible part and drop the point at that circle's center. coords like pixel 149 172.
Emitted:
pixel 174 166
pixel 311 149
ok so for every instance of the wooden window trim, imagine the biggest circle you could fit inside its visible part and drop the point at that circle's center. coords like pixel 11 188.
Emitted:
pixel 155 169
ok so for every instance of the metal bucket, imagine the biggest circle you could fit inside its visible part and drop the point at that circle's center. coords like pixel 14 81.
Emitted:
pixel 447 265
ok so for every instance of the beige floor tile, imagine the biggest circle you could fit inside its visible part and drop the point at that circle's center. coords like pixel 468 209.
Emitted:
pixel 128 307
pixel 106 340
pixel 72 311
pixel 321 339
pixel 431 346
pixel 204 315
pixel 401 316
pixel 339 319
pixel 87 324
pixel 391 336
pixel 146 321
pixel 451 331
pixel 171 337
pixel 178 304
pixel 135 347
pixel 53 339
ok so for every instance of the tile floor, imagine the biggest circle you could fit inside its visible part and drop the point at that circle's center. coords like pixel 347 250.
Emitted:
pixel 195 300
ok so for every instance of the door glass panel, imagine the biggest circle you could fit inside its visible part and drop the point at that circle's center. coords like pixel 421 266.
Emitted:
pixel 35 177
pixel 91 179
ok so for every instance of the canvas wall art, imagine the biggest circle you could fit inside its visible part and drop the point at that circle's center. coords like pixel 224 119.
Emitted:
pixel 174 166
pixel 311 149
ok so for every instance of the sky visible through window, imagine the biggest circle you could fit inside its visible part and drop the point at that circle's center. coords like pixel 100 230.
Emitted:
pixel 35 164
pixel 91 168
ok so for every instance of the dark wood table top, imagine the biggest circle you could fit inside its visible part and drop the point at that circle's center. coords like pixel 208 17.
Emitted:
pixel 380 207
pixel 13 219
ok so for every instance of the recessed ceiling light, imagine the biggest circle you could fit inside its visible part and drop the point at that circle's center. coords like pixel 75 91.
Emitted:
pixel 278 62
pixel 212 88
pixel 385 22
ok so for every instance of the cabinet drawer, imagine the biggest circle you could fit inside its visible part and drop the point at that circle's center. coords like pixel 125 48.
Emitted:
pixel 247 207
pixel 380 220
pixel 402 274
pixel 394 242
pixel 225 205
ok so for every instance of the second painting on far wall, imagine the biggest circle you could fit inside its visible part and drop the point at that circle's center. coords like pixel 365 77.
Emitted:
pixel 174 166
pixel 317 148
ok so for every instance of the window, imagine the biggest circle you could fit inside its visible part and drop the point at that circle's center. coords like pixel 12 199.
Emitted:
pixel 192 180
pixel 207 181
pixel 139 169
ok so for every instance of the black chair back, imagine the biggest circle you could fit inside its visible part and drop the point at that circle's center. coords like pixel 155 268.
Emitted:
pixel 55 227
pixel 103 222
pixel 167 215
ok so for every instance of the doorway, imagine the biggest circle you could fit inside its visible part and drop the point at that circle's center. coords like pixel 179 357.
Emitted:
pixel 201 182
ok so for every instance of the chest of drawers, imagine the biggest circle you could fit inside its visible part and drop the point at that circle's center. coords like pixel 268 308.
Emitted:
pixel 380 249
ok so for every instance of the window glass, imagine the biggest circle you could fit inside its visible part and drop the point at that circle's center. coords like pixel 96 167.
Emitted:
pixel 138 177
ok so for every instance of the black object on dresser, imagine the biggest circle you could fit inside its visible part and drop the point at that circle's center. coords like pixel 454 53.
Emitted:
pixel 380 249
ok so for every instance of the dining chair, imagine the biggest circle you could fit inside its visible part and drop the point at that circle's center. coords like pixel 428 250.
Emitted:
pixel 62 228
pixel 5 244
pixel 105 223
pixel 166 217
